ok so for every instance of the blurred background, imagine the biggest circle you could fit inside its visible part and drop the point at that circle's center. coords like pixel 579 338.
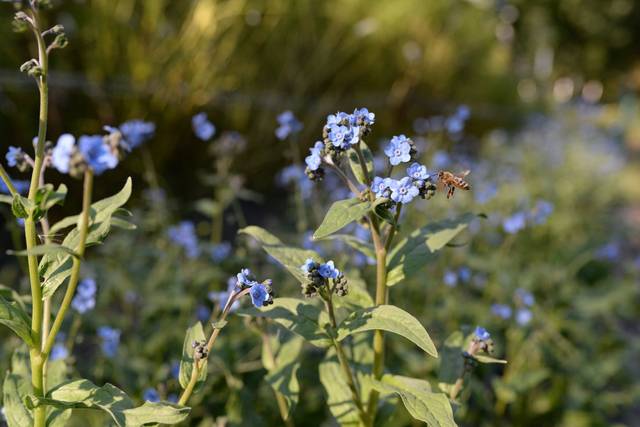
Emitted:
pixel 539 99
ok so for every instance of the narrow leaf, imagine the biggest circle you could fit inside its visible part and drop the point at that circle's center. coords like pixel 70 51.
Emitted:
pixel 340 214
pixel 13 317
pixel 194 333
pixel 48 249
pixel 356 167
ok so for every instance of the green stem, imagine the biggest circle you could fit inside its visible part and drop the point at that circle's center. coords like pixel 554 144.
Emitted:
pixel 83 228
pixel 363 164
pixel 7 181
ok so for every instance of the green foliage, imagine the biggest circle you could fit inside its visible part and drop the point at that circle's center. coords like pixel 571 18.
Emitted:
pixel 356 166
pixel 283 371
pixel 194 333
pixel 341 214
pixel 15 318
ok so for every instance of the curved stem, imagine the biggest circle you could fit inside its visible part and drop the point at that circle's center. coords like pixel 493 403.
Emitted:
pixel 7 181
pixel 83 228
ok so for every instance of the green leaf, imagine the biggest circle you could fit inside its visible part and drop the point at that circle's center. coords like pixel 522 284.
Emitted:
pixel 297 316
pixel 4 198
pixel 423 404
pixel 55 268
pixel 414 251
pixel 194 333
pixel 341 213
pixel 283 375
pixel 483 358
pixel 110 399
pixel 451 361
pixel 358 297
pixel 388 318
pixel 48 249
pixel 47 197
pixel 290 257
pixel 363 247
pixel 21 206
pixel 356 167
pixel 11 295
pixel 16 386
pixel 13 317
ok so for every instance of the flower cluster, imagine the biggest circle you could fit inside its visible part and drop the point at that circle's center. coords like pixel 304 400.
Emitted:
pixel 318 276
pixel 287 125
pixel 536 216
pixel 130 135
pixel 202 127
pixel 261 292
pixel 85 298
pixel 184 235
pixel 110 340
pixel 418 182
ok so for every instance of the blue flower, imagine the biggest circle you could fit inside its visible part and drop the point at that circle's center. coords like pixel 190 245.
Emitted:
pixel 501 310
pixel 58 351
pixel 463 112
pixel 14 156
pixel 202 127
pixel 151 395
pixel 85 298
pixel 328 270
pixel 450 278
pixel 343 136
pixel 136 132
pixel 362 117
pixel 610 251
pixel 515 222
pixel 398 150
pixel 525 297
pixel 110 340
pixel 288 125
pixel 541 212
pixel 220 251
pixel 258 294
pixel 523 316
pixel 245 278
pixel 221 297
pixel 485 192
pixel 202 313
pixel 464 273
pixel 340 118
pixel 175 369
pixel 315 158
pixel 481 333
pixel 184 235
pixel 454 125
pixel 62 152
pixel 96 153
pixel 308 265
pixel 404 191
pixel 382 186
pixel 440 159
pixel 417 172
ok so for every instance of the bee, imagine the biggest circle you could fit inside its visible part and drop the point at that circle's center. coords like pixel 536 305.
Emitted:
pixel 452 181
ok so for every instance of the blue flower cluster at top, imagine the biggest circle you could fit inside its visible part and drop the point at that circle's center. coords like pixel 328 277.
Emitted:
pixel 343 130
pixel 327 270
pixel 202 127
pixel 110 340
pixel 184 235
pixel 405 189
pixel 85 298
pixel 481 333
pixel 260 292
pixel 287 125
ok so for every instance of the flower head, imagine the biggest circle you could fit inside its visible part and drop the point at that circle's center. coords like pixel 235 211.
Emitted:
pixel 288 124
pixel 14 156
pixel 342 137
pixel 151 395
pixel 136 132
pixel 85 298
pixel 481 333
pixel 523 316
pixel 220 251
pixel 398 150
pixel 362 117
pixel 96 153
pixel 328 270
pixel 62 152
pixel 58 351
pixel 417 172
pixel 541 212
pixel 501 310
pixel 184 235
pixel 308 265
pixel 202 127
pixel 245 278
pixel 515 222
pixel 259 294
pixel 314 159
pixel 404 191
pixel 450 278
pixel 382 186
pixel 110 340
pixel 525 297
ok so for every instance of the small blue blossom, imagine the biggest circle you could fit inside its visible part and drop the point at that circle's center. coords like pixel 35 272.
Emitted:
pixel 258 294
pixel 610 251
pixel 501 310
pixel 362 117
pixel 315 158
pixel 61 153
pixel 202 313
pixel 175 369
pixel 398 150
pixel 151 395
pixel 463 112
pixel 525 297
pixel 328 270
pixel 14 156
pixel 184 235
pixel 454 125
pixel 343 136
pixel 288 124
pixel 481 333
pixel 202 127
pixel 85 298
pixel 523 316
pixel 221 251
pixel 58 352
pixel 110 340
pixel 308 265
pixel 245 278
pixel 136 132
pixel 417 172
pixel 96 153
pixel 464 274
pixel 515 222
pixel 541 212
pixel 340 118
pixel 382 186
pixel 450 278
pixel 404 191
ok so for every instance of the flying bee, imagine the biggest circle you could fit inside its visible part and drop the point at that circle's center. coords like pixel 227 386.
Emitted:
pixel 452 181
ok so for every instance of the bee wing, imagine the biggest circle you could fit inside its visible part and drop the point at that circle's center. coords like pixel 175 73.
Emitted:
pixel 464 173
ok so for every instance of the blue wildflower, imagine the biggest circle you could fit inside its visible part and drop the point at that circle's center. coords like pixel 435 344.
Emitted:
pixel 541 212
pixel 315 158
pixel 259 294
pixel 481 333
pixel 340 118
pixel 515 222
pixel 136 132
pixel 464 273
pixel 85 298
pixel 343 136
pixel 610 252
pixel 382 186
pixel 62 152
pixel 151 395
pixel 450 278
pixel 328 270
pixel 404 191
pixel 308 265
pixel 202 127
pixel 501 310
pixel 245 278
pixel 175 369
pixel 202 313
pixel 463 112
pixel 362 117
pixel 525 297
pixel 454 125
pixel 14 156
pixel 184 235
pixel 523 316
pixel 295 174
pixel 485 192
pixel 221 251
pixel 58 352
pixel 96 153
pixel 417 172
pixel 110 340
pixel 288 124
pixel 398 150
